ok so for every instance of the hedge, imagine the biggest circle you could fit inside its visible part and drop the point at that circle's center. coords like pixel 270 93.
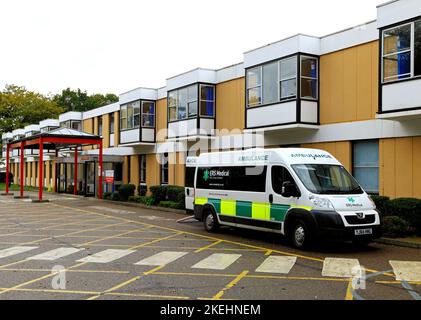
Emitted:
pixel 125 191
pixel 3 177
pixel 397 212
pixel 142 199
pixel 167 193
pixel 395 227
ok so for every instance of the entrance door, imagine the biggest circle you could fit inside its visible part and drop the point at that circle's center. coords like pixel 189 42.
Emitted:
pixel 89 179
pixel 62 179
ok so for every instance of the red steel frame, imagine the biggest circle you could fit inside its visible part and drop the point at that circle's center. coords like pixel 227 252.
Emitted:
pixel 40 142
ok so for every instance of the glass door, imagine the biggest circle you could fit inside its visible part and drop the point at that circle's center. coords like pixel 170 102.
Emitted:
pixel 89 179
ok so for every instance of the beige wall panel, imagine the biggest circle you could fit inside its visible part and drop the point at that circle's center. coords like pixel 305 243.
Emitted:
pixel 364 88
pixel 88 127
pixel 403 167
pixel 106 130
pixel 374 79
pixel 125 170
pixel 152 170
pixel 161 119
pixel 416 162
pixel 134 170
pixel 348 84
pixel 350 87
pixel 230 102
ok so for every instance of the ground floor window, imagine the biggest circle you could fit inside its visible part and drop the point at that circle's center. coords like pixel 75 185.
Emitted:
pixel 164 168
pixel 366 164
pixel 142 168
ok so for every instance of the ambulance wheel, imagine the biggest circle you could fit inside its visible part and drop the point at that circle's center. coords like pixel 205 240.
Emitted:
pixel 210 221
pixel 300 235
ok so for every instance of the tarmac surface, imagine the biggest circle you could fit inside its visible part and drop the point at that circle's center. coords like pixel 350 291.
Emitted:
pixel 83 248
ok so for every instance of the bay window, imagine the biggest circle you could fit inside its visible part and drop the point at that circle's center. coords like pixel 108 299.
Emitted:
pixel 148 114
pixel 401 52
pixel 207 101
pixel 183 103
pixel 309 78
pixel 137 114
pixel 277 81
pixel 288 78
pixel 254 86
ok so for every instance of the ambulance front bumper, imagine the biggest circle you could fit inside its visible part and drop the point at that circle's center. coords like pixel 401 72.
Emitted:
pixel 330 226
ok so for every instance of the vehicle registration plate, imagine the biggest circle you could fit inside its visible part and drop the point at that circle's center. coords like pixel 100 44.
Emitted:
pixel 363 232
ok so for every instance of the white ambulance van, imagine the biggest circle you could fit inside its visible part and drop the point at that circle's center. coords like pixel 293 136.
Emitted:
pixel 305 194
pixel 191 164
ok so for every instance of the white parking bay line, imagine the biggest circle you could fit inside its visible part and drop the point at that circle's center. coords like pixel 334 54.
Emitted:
pixel 161 259
pixel 406 270
pixel 277 264
pixel 14 250
pixel 341 268
pixel 106 256
pixel 217 261
pixel 55 254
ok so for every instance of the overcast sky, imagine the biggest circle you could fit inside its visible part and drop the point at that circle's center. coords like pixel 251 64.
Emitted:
pixel 118 45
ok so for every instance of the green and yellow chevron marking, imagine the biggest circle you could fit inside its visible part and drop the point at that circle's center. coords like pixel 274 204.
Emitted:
pixel 247 209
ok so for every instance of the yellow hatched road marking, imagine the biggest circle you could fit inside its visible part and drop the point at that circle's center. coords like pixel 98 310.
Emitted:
pixel 349 295
pixel 208 246
pixel 213 238
pixel 230 285
pixel 123 284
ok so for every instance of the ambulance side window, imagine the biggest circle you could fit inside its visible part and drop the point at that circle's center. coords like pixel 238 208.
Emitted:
pixel 279 176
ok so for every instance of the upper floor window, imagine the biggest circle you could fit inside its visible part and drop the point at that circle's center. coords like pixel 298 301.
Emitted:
pixel 130 116
pixel 111 123
pixel 277 81
pixel 401 52
pixel 100 126
pixel 309 78
pixel 148 114
pixel 183 103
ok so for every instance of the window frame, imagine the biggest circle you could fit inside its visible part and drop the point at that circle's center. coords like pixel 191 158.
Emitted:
pixel 142 113
pixel 362 167
pixel 299 56
pixel 142 168
pixel 132 106
pixel 197 87
pixel 412 75
pixel 281 80
pixel 112 123
pixel 260 86
pixel 199 106
pixel 304 56
pixel 164 166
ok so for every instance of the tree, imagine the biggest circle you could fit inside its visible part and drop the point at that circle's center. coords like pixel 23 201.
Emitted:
pixel 78 100
pixel 20 107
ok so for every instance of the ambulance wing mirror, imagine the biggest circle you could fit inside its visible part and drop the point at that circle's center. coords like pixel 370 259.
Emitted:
pixel 290 189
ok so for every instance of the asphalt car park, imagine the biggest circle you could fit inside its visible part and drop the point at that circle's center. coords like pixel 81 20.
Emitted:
pixel 77 248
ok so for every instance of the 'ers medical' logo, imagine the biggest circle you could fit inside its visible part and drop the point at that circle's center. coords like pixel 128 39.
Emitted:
pixel 352 203
pixel 206 175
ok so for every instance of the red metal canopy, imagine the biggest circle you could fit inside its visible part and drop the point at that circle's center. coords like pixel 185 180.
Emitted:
pixel 56 139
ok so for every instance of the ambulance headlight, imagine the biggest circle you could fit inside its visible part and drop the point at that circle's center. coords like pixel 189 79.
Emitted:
pixel 321 203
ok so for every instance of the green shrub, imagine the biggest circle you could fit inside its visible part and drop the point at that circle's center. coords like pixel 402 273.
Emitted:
pixel 166 193
pixel 115 196
pixel 145 200
pixel 408 209
pixel 395 227
pixel 142 190
pixel 170 204
pixel 126 190
pixel 381 203
pixel 107 195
